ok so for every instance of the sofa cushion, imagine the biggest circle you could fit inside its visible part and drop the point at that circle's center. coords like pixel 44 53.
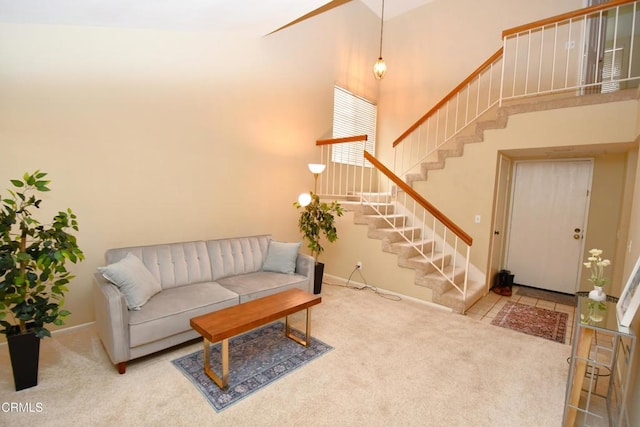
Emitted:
pixel 134 280
pixel 169 311
pixel 281 257
pixel 174 264
pixel 257 285
pixel 230 257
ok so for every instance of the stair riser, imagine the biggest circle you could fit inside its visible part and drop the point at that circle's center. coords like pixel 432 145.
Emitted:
pixel 423 265
pixel 373 210
pixel 437 283
pixel 388 235
pixel 384 222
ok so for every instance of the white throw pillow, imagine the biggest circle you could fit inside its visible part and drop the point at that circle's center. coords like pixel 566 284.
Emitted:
pixel 134 280
pixel 281 257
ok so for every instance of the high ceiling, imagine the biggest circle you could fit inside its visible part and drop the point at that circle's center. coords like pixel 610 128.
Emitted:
pixel 249 16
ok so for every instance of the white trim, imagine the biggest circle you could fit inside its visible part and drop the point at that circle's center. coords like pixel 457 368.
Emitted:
pixel 409 298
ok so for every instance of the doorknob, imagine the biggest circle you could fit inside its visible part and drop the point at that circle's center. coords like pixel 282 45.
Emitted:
pixel 576 236
pixel 576 230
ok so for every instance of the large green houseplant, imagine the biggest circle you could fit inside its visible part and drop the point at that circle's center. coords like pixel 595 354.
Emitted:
pixel 33 274
pixel 317 219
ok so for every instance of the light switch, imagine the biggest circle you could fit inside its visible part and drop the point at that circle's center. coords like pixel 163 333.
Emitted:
pixel 477 219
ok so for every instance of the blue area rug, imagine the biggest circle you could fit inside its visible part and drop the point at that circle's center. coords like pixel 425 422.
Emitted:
pixel 256 359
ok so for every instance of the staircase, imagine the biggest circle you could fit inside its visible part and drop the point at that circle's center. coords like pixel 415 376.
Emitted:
pixel 420 254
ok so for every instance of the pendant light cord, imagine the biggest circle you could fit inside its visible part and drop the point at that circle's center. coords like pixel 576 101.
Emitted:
pixel 381 28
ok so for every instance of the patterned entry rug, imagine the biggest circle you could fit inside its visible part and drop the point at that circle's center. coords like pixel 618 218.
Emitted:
pixel 536 321
pixel 256 359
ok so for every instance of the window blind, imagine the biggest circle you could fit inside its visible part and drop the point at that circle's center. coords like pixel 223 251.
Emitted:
pixel 353 115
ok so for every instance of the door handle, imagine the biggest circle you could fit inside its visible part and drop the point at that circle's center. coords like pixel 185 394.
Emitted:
pixel 576 236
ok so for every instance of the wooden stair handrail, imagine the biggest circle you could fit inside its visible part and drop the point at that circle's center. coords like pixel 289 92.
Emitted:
pixel 564 17
pixel 421 200
pixel 450 95
pixel 341 140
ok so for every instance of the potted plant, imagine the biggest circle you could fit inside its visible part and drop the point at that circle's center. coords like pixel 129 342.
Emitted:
pixel 33 274
pixel 317 219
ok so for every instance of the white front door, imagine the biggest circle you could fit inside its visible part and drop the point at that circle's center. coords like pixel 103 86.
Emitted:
pixel 549 208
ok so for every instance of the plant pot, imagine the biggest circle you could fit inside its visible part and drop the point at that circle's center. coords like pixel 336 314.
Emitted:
pixel 24 351
pixel 317 278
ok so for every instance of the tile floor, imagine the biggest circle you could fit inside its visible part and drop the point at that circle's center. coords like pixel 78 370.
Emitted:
pixel 488 307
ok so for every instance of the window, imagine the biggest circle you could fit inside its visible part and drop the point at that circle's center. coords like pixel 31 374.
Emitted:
pixel 352 115
pixel 611 70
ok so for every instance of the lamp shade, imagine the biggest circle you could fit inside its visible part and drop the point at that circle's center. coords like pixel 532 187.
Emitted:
pixel 304 199
pixel 316 167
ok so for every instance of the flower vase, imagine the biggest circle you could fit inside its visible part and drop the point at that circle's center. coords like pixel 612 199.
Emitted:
pixel 597 306
pixel 597 294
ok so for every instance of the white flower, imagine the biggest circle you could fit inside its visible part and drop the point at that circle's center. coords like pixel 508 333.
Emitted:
pixel 596 264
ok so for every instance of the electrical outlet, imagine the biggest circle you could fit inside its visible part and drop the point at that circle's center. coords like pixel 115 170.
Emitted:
pixel 359 265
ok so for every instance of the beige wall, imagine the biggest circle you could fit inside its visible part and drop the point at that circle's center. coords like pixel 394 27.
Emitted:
pixel 161 136
pixel 607 213
pixel 633 253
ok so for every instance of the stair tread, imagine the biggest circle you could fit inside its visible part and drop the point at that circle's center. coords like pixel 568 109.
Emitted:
pixel 398 229
pixel 384 216
pixel 415 243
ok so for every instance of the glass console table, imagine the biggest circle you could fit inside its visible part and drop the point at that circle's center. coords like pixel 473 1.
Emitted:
pixel 600 367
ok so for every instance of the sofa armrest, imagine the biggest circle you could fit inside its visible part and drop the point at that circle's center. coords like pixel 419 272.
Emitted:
pixel 112 319
pixel 305 265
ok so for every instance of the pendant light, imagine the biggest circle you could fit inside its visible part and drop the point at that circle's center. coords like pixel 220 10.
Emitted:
pixel 379 68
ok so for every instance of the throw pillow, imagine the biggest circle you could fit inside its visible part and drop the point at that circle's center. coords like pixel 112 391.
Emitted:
pixel 281 257
pixel 134 280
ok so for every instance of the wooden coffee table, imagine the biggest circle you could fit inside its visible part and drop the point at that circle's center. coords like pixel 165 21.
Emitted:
pixel 228 322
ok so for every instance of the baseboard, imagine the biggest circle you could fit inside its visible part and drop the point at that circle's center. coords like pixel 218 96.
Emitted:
pixel 343 281
pixel 60 331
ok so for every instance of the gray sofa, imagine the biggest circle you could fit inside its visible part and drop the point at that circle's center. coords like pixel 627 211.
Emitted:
pixel 193 278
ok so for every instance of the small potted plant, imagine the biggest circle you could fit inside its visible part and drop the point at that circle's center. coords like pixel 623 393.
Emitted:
pixel 33 274
pixel 317 219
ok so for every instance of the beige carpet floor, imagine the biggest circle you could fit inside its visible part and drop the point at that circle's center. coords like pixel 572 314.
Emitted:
pixel 394 363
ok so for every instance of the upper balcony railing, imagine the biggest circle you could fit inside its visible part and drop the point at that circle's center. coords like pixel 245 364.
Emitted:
pixel 591 50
